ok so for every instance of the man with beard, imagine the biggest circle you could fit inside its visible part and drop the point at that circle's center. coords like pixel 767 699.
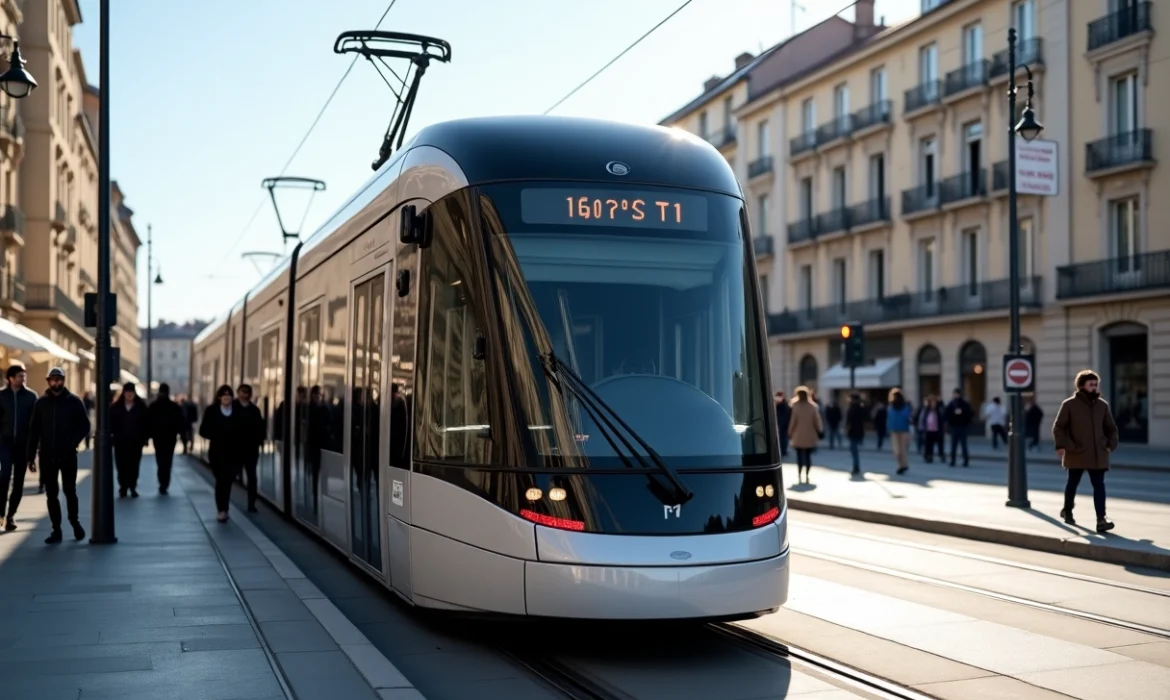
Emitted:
pixel 59 424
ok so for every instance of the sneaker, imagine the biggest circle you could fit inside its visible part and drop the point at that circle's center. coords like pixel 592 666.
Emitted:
pixel 902 470
pixel 162 491
pixel 1067 516
pixel 9 524
pixel 1103 525
pixel 54 538
pixel 121 493
pixel 78 531
pixel 133 493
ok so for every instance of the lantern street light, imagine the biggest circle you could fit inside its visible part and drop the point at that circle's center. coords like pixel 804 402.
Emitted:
pixel 1028 128
pixel 16 81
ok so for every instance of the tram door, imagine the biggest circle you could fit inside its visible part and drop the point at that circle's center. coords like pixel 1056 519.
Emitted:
pixel 369 311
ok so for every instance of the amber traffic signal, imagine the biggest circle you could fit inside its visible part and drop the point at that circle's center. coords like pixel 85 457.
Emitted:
pixel 853 345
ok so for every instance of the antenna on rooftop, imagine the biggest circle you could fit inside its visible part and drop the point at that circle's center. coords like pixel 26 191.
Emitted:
pixel 794 6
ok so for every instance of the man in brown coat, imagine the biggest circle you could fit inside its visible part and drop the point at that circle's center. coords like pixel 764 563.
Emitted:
pixel 1085 435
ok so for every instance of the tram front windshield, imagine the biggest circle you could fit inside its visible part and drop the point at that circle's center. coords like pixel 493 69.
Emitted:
pixel 645 294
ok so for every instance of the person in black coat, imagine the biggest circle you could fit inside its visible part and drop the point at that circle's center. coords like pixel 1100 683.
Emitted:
pixel 855 416
pixel 59 424
pixel 167 425
pixel 129 432
pixel 253 433
pixel 223 429
pixel 958 415
pixel 16 408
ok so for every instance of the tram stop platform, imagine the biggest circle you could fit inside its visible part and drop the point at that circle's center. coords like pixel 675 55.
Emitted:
pixel 181 608
pixel 971 503
pixel 1130 457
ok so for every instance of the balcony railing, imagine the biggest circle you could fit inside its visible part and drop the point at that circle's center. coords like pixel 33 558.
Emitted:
pixel 52 298
pixel 1130 273
pixel 832 221
pixel 763 245
pixel 873 115
pixel 12 220
pixel 838 127
pixel 1119 150
pixel 920 199
pixel 722 137
pixel 963 186
pixel 803 230
pixel 972 75
pixel 12 287
pixel 924 95
pixel 1119 25
pixel 86 279
pixel 803 143
pixel 947 301
pixel 870 212
pixel 1000 176
pixel 760 166
pixel 1029 52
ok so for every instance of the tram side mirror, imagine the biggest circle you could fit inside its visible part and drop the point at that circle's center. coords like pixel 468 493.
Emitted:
pixel 415 227
pixel 479 351
pixel 402 284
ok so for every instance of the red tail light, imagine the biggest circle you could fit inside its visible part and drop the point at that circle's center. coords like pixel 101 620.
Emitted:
pixel 551 521
pixel 766 517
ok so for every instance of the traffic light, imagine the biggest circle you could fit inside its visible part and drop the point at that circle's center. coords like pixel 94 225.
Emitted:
pixel 853 345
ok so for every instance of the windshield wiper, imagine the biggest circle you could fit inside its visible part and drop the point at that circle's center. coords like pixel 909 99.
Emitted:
pixel 565 379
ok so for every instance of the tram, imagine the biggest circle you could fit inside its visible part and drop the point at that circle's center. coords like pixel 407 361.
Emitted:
pixel 523 372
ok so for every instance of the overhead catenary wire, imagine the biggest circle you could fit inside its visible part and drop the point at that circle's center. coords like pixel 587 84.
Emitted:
pixel 303 141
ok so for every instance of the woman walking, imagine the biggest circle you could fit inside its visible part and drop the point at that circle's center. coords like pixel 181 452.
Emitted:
pixel 222 428
pixel 804 431
pixel 898 417
pixel 930 425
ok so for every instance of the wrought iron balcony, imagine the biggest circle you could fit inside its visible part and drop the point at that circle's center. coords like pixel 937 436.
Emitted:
pixel 970 76
pixel 924 95
pixel 946 301
pixel 1029 52
pixel 1119 150
pixel 833 221
pixel 1000 176
pixel 870 212
pixel 968 185
pixel 760 166
pixel 803 230
pixel 723 137
pixel 1121 24
pixel 873 115
pixel 12 287
pixel 919 199
pixel 803 143
pixel 12 220
pixel 763 245
pixel 1130 273
pixel 836 128
pixel 50 297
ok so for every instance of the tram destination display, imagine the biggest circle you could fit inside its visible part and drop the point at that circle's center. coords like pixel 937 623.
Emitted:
pixel 584 206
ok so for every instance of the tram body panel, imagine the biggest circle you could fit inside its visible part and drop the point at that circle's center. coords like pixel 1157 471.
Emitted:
pixel 446 570
pixel 458 514
pixel 264 370
pixel 429 173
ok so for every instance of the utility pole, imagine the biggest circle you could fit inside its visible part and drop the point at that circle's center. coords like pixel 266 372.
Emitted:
pixel 149 310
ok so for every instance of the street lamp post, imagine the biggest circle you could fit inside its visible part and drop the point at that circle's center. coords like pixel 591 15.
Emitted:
pixel 149 311
pixel 1027 128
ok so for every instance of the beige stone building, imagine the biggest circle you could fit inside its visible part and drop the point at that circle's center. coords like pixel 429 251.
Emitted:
pixel 48 187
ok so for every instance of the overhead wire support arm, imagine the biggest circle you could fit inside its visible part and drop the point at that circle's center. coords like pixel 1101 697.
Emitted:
pixel 304 183
pixel 419 50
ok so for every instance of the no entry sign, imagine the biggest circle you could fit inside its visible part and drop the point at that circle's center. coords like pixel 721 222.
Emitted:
pixel 1019 374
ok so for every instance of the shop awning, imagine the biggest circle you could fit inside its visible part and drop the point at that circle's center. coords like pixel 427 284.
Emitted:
pixel 86 355
pixel 882 374
pixel 31 344
pixel 127 377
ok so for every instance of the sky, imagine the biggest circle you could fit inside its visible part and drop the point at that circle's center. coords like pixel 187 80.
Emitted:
pixel 210 98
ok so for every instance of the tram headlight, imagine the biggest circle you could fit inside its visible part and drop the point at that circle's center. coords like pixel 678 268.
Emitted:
pixel 557 494
pixel 759 492
pixel 769 491
pixel 533 494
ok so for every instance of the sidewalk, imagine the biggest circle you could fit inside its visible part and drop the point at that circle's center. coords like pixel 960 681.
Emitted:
pixel 182 608
pixel 970 503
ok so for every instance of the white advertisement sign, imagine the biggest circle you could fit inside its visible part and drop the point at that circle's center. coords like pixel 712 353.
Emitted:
pixel 1036 167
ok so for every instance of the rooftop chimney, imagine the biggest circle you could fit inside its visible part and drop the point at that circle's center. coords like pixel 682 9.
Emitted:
pixel 863 13
pixel 746 57
pixel 711 83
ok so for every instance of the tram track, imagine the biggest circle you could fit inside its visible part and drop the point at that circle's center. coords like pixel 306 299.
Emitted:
pixel 564 677
pixel 987 593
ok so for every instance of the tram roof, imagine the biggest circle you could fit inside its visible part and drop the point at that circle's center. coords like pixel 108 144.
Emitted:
pixel 533 147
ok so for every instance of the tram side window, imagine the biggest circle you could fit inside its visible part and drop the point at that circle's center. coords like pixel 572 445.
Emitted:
pixel 252 365
pixel 454 424
pixel 333 372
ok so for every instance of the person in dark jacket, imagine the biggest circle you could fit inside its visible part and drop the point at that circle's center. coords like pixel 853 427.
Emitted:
pixel 253 433
pixel 222 427
pixel 129 432
pixel 855 416
pixel 930 427
pixel 167 425
pixel 833 417
pixel 59 423
pixel 16 408
pixel 959 415
pixel 191 415
pixel 879 422
pixel 1033 417
pixel 1085 434
pixel 783 416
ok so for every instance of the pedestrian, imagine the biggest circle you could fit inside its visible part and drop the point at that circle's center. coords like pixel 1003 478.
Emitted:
pixel 898 419
pixel 1033 417
pixel 805 431
pixel 958 418
pixel 253 433
pixel 879 423
pixel 191 413
pixel 930 427
pixel 16 409
pixel 995 414
pixel 129 432
pixel 59 424
pixel 855 417
pixel 221 427
pixel 783 414
pixel 167 424
pixel 1085 435
pixel 90 407
pixel 833 417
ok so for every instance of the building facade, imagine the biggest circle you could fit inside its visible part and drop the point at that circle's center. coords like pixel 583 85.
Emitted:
pixel 171 346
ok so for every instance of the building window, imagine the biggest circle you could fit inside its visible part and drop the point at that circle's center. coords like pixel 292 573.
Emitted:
pixel 972 43
pixel 806 199
pixel 839 284
pixel 970 254
pixel 877 85
pixel 762 139
pixel 877 274
pixel 841 100
pixel 839 187
pixel 928 64
pixel 1124 104
pixel 728 117
pixel 926 271
pixel 1024 18
pixel 1125 237
pixel 877 176
pixel 703 124
pixel 808 115
pixel 927 172
pixel 806 287
pixel 762 215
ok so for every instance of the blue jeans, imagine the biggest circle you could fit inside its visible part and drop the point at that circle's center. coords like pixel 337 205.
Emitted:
pixel 959 437
pixel 854 447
